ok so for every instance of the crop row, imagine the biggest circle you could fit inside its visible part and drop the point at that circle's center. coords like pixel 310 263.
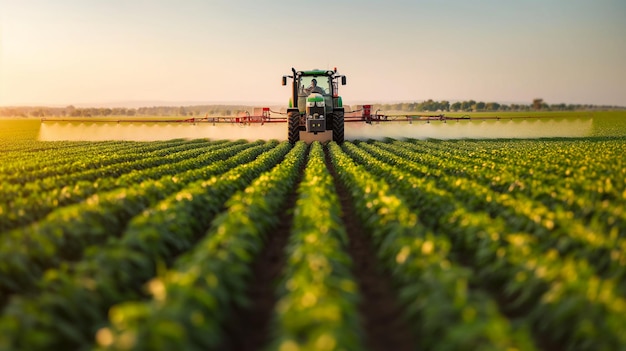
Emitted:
pixel 35 200
pixel 89 167
pixel 446 314
pixel 559 228
pixel 199 291
pixel 569 304
pixel 555 172
pixel 65 233
pixel 74 299
pixel 317 306
pixel 154 249
pixel 26 167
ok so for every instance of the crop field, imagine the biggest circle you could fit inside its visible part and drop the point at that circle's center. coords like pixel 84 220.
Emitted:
pixel 392 244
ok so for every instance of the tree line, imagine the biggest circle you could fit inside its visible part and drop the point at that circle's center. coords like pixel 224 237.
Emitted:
pixel 71 111
pixel 233 110
pixel 480 106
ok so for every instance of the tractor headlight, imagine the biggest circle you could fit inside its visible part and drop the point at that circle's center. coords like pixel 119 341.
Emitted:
pixel 321 103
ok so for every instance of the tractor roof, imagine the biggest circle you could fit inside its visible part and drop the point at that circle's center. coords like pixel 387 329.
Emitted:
pixel 317 72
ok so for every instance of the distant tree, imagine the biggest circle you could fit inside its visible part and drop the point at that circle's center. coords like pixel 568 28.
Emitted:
pixel 93 111
pixel 444 105
pixel 69 110
pixel 428 105
pixel 480 106
pixel 37 112
pixel 537 104
pixel 465 105
pixel 492 106
pixel 456 106
pixel 469 105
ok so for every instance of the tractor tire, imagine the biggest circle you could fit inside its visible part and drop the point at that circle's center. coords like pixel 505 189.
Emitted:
pixel 338 124
pixel 293 126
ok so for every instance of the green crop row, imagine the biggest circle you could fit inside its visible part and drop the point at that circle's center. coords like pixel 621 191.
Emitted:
pixel 317 302
pixel 64 234
pixel 445 312
pixel 584 177
pixel 558 228
pixel 49 159
pixel 498 244
pixel 567 302
pixel 74 299
pixel 94 168
pixel 68 158
pixel 564 212
pixel 41 199
pixel 194 297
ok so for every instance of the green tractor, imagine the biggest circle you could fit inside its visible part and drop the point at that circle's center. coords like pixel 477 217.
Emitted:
pixel 315 108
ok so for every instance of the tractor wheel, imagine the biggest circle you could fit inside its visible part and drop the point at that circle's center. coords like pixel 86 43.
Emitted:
pixel 294 126
pixel 338 126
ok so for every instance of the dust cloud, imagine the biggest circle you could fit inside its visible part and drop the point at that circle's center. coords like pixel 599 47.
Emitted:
pixel 137 131
pixel 476 129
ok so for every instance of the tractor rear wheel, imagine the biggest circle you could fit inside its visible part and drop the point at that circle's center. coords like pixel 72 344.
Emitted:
pixel 294 126
pixel 338 126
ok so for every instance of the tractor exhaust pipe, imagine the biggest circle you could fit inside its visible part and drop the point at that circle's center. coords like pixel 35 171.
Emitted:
pixel 294 92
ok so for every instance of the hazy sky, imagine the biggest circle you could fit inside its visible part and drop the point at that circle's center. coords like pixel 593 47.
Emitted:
pixel 100 51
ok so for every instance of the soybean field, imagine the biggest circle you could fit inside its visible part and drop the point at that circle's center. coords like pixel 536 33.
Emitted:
pixel 392 244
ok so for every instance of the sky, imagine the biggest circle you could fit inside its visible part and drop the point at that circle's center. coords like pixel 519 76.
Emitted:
pixel 97 52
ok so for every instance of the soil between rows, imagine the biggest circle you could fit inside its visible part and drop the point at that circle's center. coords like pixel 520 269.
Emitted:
pixel 383 322
pixel 249 328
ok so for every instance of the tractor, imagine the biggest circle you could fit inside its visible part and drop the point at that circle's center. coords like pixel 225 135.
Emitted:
pixel 315 109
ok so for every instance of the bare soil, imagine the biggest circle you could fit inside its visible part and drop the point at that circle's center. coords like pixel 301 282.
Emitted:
pixel 249 328
pixel 383 322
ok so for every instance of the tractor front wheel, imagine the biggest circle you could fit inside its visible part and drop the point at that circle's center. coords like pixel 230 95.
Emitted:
pixel 338 126
pixel 294 126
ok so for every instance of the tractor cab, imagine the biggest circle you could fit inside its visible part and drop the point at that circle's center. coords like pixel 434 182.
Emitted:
pixel 321 90
pixel 315 106
pixel 322 83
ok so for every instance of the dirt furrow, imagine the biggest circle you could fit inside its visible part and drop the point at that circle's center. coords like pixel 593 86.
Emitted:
pixel 249 329
pixel 383 322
